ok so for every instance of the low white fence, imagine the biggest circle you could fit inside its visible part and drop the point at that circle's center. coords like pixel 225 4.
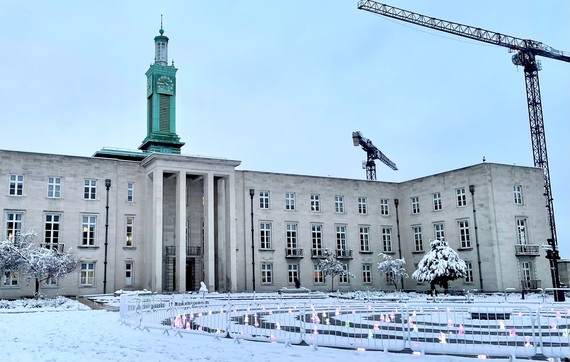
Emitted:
pixel 500 329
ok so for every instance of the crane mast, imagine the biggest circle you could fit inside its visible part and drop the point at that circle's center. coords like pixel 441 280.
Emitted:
pixel 372 154
pixel 526 52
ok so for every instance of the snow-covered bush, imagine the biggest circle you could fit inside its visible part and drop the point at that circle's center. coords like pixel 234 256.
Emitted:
pixel 440 265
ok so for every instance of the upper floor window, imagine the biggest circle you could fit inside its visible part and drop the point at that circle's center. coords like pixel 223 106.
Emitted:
pixel 362 205
pixel 464 238
pixel 415 205
pixel 418 239
pixel 317 239
pixel 437 201
pixel 265 235
pixel 315 202
pixel 461 197
pixel 130 191
pixel 88 226
pixel 291 235
pixel 52 230
pixel 130 231
pixel 264 199
pixel 387 239
pixel 522 236
pixel 384 207
pixel 90 189
pixel 518 194
pixel 13 224
pixel 341 237
pixel 364 235
pixel 339 204
pixel 289 201
pixel 54 187
pixel 439 231
pixel 16 185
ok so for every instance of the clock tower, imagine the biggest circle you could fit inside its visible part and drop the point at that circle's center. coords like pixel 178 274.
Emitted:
pixel 161 102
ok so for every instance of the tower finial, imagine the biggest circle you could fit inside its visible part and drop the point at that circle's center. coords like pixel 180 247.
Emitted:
pixel 161 21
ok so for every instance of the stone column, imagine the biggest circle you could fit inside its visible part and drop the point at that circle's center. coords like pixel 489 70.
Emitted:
pixel 231 232
pixel 209 231
pixel 180 232
pixel 156 222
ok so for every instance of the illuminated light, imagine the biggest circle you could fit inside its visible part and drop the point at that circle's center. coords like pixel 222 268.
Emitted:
pixel 361 349
pixel 415 327
pixel 315 330
pixel 450 323
pixel 551 359
pixel 277 326
pixel 565 332
pixel 448 309
pixel 553 326
pixel 527 343
pixel 327 321
pixel 414 313
pixel 442 338
pixel 376 325
pixel 370 335
pixel 416 343
pixel 558 316
pixel 461 329
pixel 417 353
pixel 482 356
pixel 290 310
pixel 501 325
pixel 512 333
pixel 347 324
pixel 209 312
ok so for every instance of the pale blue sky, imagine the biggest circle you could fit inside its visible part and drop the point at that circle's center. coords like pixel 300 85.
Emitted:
pixel 280 85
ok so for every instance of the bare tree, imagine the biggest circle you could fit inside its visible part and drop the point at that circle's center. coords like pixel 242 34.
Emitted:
pixel 393 269
pixel 333 267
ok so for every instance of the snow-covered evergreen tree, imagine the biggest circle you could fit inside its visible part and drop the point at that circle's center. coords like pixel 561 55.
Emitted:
pixel 33 260
pixel 440 265
pixel 333 267
pixel 394 269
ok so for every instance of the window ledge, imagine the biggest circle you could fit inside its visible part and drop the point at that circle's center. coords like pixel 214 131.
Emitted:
pixel 418 252
pixel 87 247
pixel 365 251
pixel 260 249
pixel 129 248
pixel 465 249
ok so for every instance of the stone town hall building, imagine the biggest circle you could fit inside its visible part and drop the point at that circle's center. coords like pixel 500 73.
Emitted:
pixel 169 221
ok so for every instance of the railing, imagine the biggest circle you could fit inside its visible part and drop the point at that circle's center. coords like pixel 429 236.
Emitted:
pixel 527 250
pixel 190 250
pixel 478 329
pixel 530 284
pixel 293 252
pixel 57 247
pixel 317 253
pixel 344 253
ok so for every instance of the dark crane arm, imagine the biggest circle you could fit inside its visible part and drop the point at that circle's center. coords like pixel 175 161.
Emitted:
pixel 372 153
pixel 466 31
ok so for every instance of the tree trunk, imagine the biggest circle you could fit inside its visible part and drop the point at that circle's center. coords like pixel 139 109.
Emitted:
pixel 332 283
pixel 37 293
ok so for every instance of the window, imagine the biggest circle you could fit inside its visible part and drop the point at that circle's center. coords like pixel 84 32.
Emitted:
pixel 362 205
pixel 464 240
pixel 129 273
pixel 264 199
pixel 343 278
pixel 291 235
pixel 418 240
pixel 469 272
pixel 518 194
pixel 289 201
pixel 438 231
pixel 315 202
pixel 387 239
pixel 317 239
pixel 339 204
pixel 364 236
pixel 266 273
pixel 130 191
pixel 526 269
pixel 265 235
pixel 90 189
pixel 415 205
pixel 87 274
pixel 16 185
pixel 318 274
pixel 54 187
pixel 13 224
pixel 461 198
pixel 293 273
pixel 52 228
pixel 341 237
pixel 10 278
pixel 366 273
pixel 130 231
pixel 522 236
pixel 437 201
pixel 88 225
pixel 384 207
pixel 390 277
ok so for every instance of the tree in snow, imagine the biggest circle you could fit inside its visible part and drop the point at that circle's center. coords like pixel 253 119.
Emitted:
pixel 393 268
pixel 440 265
pixel 333 267
pixel 33 260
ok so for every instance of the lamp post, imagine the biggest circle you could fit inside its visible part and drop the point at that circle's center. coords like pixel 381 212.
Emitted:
pixel 251 194
pixel 107 187
pixel 397 203
pixel 472 191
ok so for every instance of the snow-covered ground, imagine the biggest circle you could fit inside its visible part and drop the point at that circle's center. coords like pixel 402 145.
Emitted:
pixel 66 330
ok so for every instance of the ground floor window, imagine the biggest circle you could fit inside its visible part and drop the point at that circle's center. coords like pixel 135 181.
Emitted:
pixel 266 273
pixel 87 274
pixel 366 273
pixel 129 273
pixel 343 278
pixel 318 277
pixel 10 279
pixel 293 275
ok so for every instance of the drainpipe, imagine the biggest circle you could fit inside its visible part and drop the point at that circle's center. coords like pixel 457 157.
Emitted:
pixel 472 191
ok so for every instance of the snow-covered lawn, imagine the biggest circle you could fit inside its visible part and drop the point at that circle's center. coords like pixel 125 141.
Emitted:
pixel 66 330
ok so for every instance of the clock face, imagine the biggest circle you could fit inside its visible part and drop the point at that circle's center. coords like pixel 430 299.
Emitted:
pixel 165 84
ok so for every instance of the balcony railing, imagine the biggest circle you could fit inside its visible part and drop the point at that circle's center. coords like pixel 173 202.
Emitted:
pixel 293 252
pixel 317 253
pixel 527 250
pixel 190 250
pixel 530 284
pixel 57 247
pixel 344 253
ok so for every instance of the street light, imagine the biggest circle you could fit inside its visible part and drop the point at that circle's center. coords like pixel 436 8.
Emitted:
pixel 251 194
pixel 107 187
pixel 397 203
pixel 472 191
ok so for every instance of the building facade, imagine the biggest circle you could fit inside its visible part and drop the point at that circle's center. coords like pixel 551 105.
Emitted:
pixel 158 220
